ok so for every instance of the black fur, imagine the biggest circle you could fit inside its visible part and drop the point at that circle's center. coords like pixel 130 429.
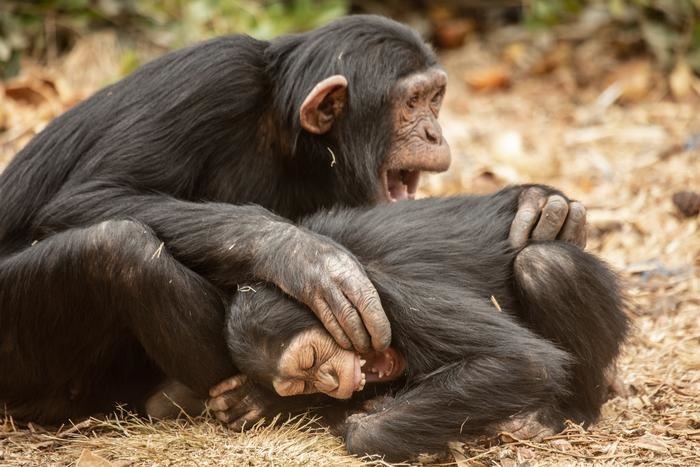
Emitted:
pixel 436 264
pixel 126 225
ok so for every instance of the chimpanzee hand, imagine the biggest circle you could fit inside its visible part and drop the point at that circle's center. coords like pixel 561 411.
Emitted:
pixel 238 403
pixel 328 279
pixel 543 215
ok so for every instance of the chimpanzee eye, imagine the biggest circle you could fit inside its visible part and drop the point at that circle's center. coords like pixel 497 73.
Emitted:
pixel 437 98
pixel 413 101
pixel 310 363
pixel 436 101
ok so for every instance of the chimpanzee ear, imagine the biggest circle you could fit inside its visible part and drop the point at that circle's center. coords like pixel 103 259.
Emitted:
pixel 324 104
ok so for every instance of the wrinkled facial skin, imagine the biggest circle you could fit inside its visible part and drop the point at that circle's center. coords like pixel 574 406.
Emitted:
pixel 314 363
pixel 418 143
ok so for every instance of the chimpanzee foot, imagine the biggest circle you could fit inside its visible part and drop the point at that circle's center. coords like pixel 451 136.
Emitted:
pixel 171 399
pixel 524 427
pixel 237 403
pixel 615 384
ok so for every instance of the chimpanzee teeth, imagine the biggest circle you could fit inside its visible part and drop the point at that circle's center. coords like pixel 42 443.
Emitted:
pixel 381 374
pixel 362 363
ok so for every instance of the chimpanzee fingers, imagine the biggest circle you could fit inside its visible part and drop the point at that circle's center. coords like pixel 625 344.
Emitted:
pixel 529 207
pixel 225 402
pixel 247 420
pixel 229 384
pixel 323 311
pixel 347 316
pixel 552 218
pixel 574 230
pixel 232 406
pixel 366 302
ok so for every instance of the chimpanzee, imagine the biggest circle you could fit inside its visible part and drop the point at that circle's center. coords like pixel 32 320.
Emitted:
pixel 128 222
pixel 486 336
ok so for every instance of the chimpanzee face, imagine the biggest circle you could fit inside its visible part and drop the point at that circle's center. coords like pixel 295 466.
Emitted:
pixel 313 362
pixel 418 144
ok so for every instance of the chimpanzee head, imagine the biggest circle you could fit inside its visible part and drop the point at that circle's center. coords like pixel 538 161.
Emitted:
pixel 280 344
pixel 363 95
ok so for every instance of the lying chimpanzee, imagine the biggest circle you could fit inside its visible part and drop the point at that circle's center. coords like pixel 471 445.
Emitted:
pixel 485 336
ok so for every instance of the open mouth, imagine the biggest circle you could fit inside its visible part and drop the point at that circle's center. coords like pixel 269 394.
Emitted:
pixel 377 367
pixel 400 184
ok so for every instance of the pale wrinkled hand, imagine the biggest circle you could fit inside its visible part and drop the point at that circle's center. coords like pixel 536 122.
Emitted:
pixel 332 283
pixel 546 216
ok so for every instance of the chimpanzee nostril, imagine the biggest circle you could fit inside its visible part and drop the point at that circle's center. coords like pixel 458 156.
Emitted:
pixel 432 135
pixel 432 130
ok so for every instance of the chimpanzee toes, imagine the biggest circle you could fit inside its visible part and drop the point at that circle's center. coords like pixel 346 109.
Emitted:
pixel 525 427
pixel 616 386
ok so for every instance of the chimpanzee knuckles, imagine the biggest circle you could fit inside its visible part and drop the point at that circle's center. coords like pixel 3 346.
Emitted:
pixel 323 311
pixel 323 105
pixel 574 230
pixel 543 214
pixel 228 384
pixel 370 309
pixel 341 296
pixel 552 218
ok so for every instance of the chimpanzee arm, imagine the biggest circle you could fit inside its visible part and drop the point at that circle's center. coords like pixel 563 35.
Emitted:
pixel 457 226
pixel 229 244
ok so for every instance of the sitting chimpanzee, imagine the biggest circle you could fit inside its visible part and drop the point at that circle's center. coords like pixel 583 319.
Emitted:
pixel 485 336
pixel 127 224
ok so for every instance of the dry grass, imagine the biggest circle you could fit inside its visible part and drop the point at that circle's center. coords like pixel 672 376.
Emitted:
pixel 122 440
pixel 623 161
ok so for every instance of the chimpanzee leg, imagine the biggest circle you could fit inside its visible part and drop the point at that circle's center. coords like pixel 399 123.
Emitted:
pixel 462 398
pixel 569 297
pixel 72 304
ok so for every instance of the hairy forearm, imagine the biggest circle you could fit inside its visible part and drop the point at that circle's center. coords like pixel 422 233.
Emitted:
pixel 220 241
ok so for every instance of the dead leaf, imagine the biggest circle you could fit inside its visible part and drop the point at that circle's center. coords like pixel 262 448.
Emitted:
pixel 25 94
pixel 561 444
pixel 652 443
pixel 554 59
pixel 525 453
pixel 90 459
pixel 456 448
pixel 633 78
pixel 488 78
pixel 687 202
pixel 452 33
pixel 681 80
pixel 515 53
pixel 681 423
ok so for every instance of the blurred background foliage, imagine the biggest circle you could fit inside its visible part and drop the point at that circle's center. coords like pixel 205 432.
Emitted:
pixel 46 28
pixel 43 29
pixel 670 29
